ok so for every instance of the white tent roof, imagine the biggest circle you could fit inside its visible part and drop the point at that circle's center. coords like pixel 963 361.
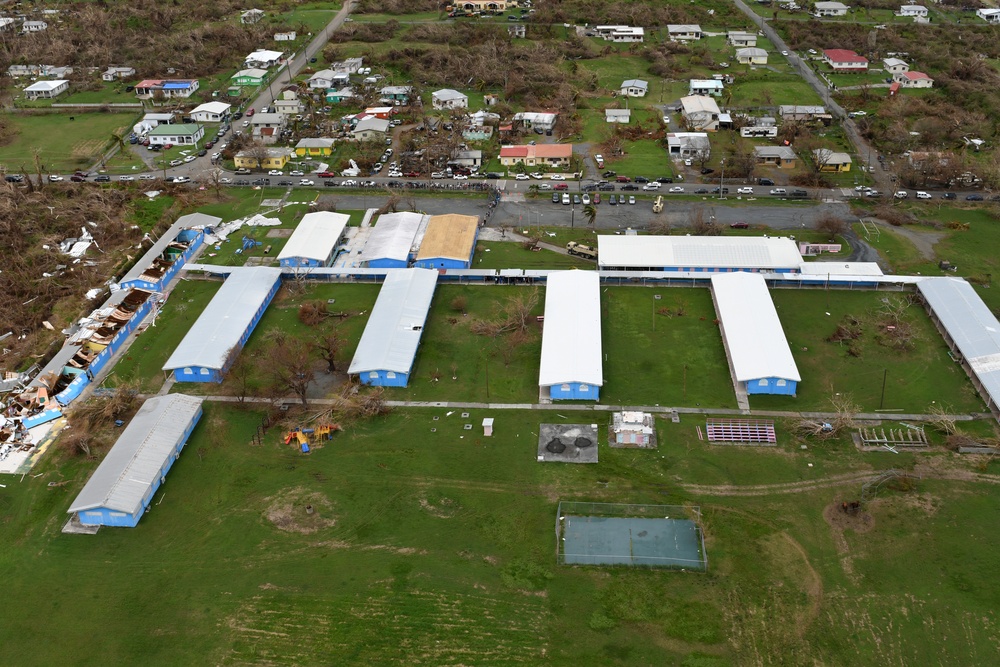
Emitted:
pixel 971 325
pixel 129 470
pixel 316 235
pixel 392 334
pixel 756 342
pixel 393 236
pixel 212 107
pixel 707 252
pixel 571 338
pixel 225 319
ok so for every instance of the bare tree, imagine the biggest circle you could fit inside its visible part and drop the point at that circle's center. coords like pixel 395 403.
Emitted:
pixel 831 225
pixel 290 367
pixel 328 345
pixel 703 224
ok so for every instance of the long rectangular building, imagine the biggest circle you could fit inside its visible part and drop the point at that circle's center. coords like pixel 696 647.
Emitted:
pixel 315 239
pixel 388 347
pixel 391 242
pixel 121 488
pixel 156 269
pixel 212 343
pixel 449 242
pixel 710 254
pixel 572 358
pixel 970 328
pixel 759 356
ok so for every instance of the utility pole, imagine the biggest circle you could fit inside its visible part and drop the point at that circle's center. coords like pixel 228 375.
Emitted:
pixel 881 402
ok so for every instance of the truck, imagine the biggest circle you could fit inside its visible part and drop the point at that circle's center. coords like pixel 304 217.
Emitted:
pixel 581 250
pixel 658 205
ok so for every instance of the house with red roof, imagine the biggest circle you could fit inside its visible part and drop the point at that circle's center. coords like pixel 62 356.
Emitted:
pixel 913 79
pixel 552 155
pixel 844 60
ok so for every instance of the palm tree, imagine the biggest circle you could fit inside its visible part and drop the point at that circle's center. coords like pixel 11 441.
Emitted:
pixel 591 212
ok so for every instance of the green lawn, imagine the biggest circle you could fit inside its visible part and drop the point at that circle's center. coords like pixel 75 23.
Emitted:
pixel 507 255
pixel 109 93
pixel 63 145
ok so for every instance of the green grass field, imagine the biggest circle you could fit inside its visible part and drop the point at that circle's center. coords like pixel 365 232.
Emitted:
pixel 63 145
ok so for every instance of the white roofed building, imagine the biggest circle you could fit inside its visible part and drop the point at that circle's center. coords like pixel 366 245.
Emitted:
pixel 315 240
pixel 760 360
pixel 388 346
pixel 446 98
pixel 46 89
pixel 210 112
pixel 572 364
pixel 698 254
pixel 394 240
pixel 700 113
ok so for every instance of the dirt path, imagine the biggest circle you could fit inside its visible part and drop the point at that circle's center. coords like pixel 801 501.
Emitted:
pixel 813 587
pixel 923 241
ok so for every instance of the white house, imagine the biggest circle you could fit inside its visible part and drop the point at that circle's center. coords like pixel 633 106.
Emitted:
pixel 989 15
pixel 845 60
pixel 251 16
pixel 751 56
pixel 535 120
pixel 739 38
pixel 370 127
pixel 6 23
pixel 831 9
pixel 178 134
pixel 288 103
pixel 322 79
pixel 684 32
pixel 620 33
pixel 623 116
pixel 285 36
pixel 112 73
pixel 916 11
pixel 700 112
pixel 689 144
pixel 895 66
pixel 913 79
pixel 634 88
pixel 447 98
pixel 210 112
pixel 263 58
pixel 34 26
pixel 150 88
pixel 267 127
pixel 46 89
pixel 711 87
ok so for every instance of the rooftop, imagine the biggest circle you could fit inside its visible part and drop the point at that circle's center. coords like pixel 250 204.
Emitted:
pixel 316 235
pixel 450 236
pixel 699 252
pixel 571 337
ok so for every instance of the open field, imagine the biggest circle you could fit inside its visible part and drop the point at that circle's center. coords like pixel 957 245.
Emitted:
pixel 63 145
pixel 504 255
pixel 436 548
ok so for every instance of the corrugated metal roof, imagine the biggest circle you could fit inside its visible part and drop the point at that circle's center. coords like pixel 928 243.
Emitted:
pixel 392 236
pixel 316 235
pixel 128 471
pixel 169 236
pixel 749 252
pixel 971 324
pixel 225 319
pixel 841 268
pixel 393 331
pixel 450 236
pixel 571 338
pixel 757 344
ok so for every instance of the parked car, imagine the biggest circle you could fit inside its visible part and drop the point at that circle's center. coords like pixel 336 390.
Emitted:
pixel 949 195
pixel 974 197
pixel 641 179
pixel 441 174
pixel 190 158
pixel 623 179
pixel 923 195
pixel 150 177
pixel 609 174
pixel 295 172
pixel 565 199
pixel 586 198
pixel 778 191
pixel 599 159
pixel 77 178
pixel 676 189
pixel 740 225
pixel 126 178
pixel 103 178
pixel 651 186
pixel 176 163
pixel 901 194
pixel 629 186
pixel 664 179
pixel 765 181
pixel 306 181
pixel 700 191
pixel 576 199
pixel 180 179
pixel 275 172
pixel 518 177
pixel 55 178
pixel 613 200
pixel 326 174
pixel 14 178
pixel 562 186
pixel 555 197
pixel 631 199
pixel 744 191
pixel 597 197
pixel 557 177
pixel 606 187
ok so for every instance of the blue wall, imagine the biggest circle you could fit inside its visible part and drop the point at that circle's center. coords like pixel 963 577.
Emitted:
pixel 204 374
pixel 771 386
pixel 195 237
pixel 574 391
pixel 387 263
pixel 446 263
pixel 304 261
pixel 382 379
pixel 102 516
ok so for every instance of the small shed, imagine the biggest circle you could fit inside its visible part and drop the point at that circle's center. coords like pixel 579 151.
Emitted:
pixel 315 240
pixel 488 426
pixel 632 428
pixel 122 487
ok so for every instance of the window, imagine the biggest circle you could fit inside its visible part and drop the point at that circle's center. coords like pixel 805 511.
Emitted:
pixel 188 371
pixel 117 514
pixel 389 375
pixel 205 371
pixel 584 387
pixel 762 383
pixel 373 375
pixel 564 387
pixel 781 383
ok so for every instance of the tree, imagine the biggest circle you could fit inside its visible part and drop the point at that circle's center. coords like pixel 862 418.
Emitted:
pixel 328 345
pixel 241 375
pixel 831 225
pixel 590 211
pixel 290 367
pixel 259 153
pixel 703 224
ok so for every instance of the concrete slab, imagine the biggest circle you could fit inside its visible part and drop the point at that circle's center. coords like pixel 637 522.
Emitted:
pixel 567 443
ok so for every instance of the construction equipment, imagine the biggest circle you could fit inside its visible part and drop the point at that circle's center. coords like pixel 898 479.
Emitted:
pixel 581 250
pixel 658 205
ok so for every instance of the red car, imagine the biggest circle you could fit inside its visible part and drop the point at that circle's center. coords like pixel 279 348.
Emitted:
pixel 740 225
pixel 623 179
pixel 209 144
pixel 250 111
pixel 597 198
pixel 412 174
pixel 326 174
pixel 561 186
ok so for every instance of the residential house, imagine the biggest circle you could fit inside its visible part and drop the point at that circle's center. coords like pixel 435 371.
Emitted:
pixel 623 116
pixel 828 160
pixel 263 59
pixel 489 6
pixel 34 26
pixel 339 96
pixel 267 127
pixel 539 122
pixel 112 73
pixel 763 127
pixel 56 71
pixel 349 65
pixel 252 77
pixel 447 98
pixel 689 144
pixel 6 23
pixel 517 31
pixel 251 16
pixel 467 158
pixel 845 60
pixel 272 158
pixel 700 112
pixel 477 132
pixel 43 90
pixel 684 32
pixel 782 157
pixel 384 113
pixel 800 112
pixel 550 155
pixel 917 12
pixel 397 95
pixel 634 88
pixel 989 15
pixel 620 33
pixel 285 36
pixel 740 39
pixel 314 147
pixel 177 134
pixel 23 70
pixel 913 79
pixel 895 66
pixel 166 88
pixel 830 9
pixel 210 112
pixel 370 127
pixel 711 87
pixel 288 102
pixel 751 56
pixel 322 79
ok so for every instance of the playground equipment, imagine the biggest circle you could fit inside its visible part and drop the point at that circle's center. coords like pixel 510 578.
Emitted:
pixel 303 436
